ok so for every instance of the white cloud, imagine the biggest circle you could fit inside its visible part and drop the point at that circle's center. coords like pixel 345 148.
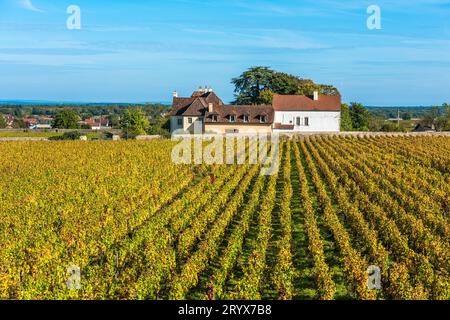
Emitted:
pixel 28 5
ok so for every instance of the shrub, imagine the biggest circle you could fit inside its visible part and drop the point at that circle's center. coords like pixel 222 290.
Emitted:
pixel 72 135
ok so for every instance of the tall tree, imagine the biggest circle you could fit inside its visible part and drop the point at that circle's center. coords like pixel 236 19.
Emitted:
pixel 2 122
pixel 160 126
pixel 284 83
pixel 446 107
pixel 18 123
pixel 443 121
pixel 134 123
pixel 18 112
pixel 114 120
pixel 406 116
pixel 265 97
pixel 346 120
pixel 258 84
pixel 360 116
pixel 328 90
pixel 430 118
pixel 250 84
pixel 66 119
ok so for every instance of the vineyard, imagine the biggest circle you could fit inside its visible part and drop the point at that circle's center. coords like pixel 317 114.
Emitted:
pixel 140 227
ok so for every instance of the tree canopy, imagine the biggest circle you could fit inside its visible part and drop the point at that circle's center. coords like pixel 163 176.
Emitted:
pixel 2 122
pixel 446 116
pixel 66 119
pixel 134 123
pixel 360 117
pixel 346 120
pixel 83 110
pixel 257 85
pixel 18 123
pixel 439 117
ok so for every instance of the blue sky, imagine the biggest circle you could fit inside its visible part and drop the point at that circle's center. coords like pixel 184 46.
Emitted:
pixel 142 50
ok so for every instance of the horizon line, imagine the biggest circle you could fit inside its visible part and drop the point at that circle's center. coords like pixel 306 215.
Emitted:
pixel 56 102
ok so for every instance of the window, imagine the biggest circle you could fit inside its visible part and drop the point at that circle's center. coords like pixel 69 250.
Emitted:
pixel 245 118
pixel 214 119
pixel 307 121
pixel 263 119
pixel 180 122
pixel 232 118
pixel 190 120
pixel 299 121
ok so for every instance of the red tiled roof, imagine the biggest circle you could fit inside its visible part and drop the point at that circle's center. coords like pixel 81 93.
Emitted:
pixel 30 120
pixel 196 105
pixel 253 113
pixel 306 103
pixel 89 121
pixel 280 126
pixel 197 108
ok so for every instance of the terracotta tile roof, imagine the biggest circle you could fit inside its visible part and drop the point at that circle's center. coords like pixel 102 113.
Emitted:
pixel 198 104
pixel 306 103
pixel 280 126
pixel 195 105
pixel 30 120
pixel 180 105
pixel 96 121
pixel 254 114
pixel 197 108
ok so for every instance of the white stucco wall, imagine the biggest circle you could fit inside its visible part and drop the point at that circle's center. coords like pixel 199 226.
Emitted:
pixel 242 128
pixel 196 121
pixel 186 125
pixel 174 124
pixel 319 121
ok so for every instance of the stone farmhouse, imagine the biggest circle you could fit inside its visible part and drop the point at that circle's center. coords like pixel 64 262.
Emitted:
pixel 205 112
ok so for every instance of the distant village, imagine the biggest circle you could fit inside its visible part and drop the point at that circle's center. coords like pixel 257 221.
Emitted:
pixel 45 122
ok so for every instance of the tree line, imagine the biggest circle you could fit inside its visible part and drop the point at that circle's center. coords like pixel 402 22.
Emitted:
pixel 84 110
pixel 356 117
pixel 132 119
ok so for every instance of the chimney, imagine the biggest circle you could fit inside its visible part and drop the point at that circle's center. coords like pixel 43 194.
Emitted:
pixel 210 107
pixel 316 95
pixel 175 94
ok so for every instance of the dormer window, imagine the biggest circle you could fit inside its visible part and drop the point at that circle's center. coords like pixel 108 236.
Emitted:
pixel 262 119
pixel 232 118
pixel 245 118
pixel 214 118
